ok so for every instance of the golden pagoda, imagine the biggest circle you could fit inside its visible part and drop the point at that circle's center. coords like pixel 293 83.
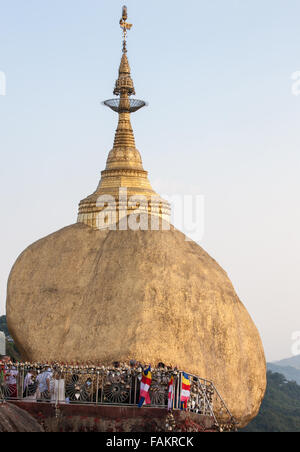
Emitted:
pixel 124 187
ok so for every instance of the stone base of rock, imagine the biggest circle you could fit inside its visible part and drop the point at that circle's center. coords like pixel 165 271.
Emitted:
pixel 83 418
pixel 13 419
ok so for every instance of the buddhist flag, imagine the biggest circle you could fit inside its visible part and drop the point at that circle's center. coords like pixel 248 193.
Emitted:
pixel 145 386
pixel 185 389
pixel 171 393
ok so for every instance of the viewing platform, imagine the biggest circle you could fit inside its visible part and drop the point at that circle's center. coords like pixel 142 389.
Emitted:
pixel 100 398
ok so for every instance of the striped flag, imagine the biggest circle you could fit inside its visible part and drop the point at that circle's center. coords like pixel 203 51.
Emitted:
pixel 185 389
pixel 171 393
pixel 145 386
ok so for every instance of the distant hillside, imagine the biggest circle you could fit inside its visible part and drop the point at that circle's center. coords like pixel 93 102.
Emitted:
pixel 280 410
pixel 290 373
pixel 290 362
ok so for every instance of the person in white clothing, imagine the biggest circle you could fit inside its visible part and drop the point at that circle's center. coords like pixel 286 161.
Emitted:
pixel 43 381
pixel 57 388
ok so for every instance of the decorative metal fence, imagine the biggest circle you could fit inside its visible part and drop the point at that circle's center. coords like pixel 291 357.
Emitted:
pixel 115 386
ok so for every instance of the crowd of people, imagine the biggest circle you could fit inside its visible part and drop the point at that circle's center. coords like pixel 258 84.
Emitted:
pixel 45 385
pixel 48 384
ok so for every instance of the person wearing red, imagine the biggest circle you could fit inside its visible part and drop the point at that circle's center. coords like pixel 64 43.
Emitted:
pixel 10 374
pixel 2 370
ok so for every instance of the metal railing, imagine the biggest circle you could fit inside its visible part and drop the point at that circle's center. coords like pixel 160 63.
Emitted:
pixel 114 386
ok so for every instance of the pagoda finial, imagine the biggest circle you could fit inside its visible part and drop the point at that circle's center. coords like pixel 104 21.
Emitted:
pixel 125 27
pixel 124 86
pixel 124 168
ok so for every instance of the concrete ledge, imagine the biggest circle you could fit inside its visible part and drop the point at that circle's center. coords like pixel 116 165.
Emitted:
pixel 77 417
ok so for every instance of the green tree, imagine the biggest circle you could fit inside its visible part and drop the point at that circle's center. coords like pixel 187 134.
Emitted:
pixel 280 410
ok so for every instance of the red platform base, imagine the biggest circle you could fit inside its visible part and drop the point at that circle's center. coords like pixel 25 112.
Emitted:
pixel 95 418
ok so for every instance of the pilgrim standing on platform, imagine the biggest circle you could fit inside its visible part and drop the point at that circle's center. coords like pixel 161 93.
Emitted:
pixel 43 379
pixel 57 388
pixel 30 386
pixel 11 381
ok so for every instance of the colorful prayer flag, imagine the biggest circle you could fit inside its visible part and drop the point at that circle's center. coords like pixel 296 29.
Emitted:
pixel 185 389
pixel 145 386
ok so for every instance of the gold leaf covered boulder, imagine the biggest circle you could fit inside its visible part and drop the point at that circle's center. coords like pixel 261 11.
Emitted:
pixel 87 295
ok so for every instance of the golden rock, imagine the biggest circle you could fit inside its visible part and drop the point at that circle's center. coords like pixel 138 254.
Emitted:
pixel 82 294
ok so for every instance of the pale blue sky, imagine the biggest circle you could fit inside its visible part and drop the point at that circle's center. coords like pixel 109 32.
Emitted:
pixel 222 122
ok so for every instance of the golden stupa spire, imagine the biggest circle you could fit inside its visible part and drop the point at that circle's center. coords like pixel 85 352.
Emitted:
pixel 124 172
pixel 125 26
